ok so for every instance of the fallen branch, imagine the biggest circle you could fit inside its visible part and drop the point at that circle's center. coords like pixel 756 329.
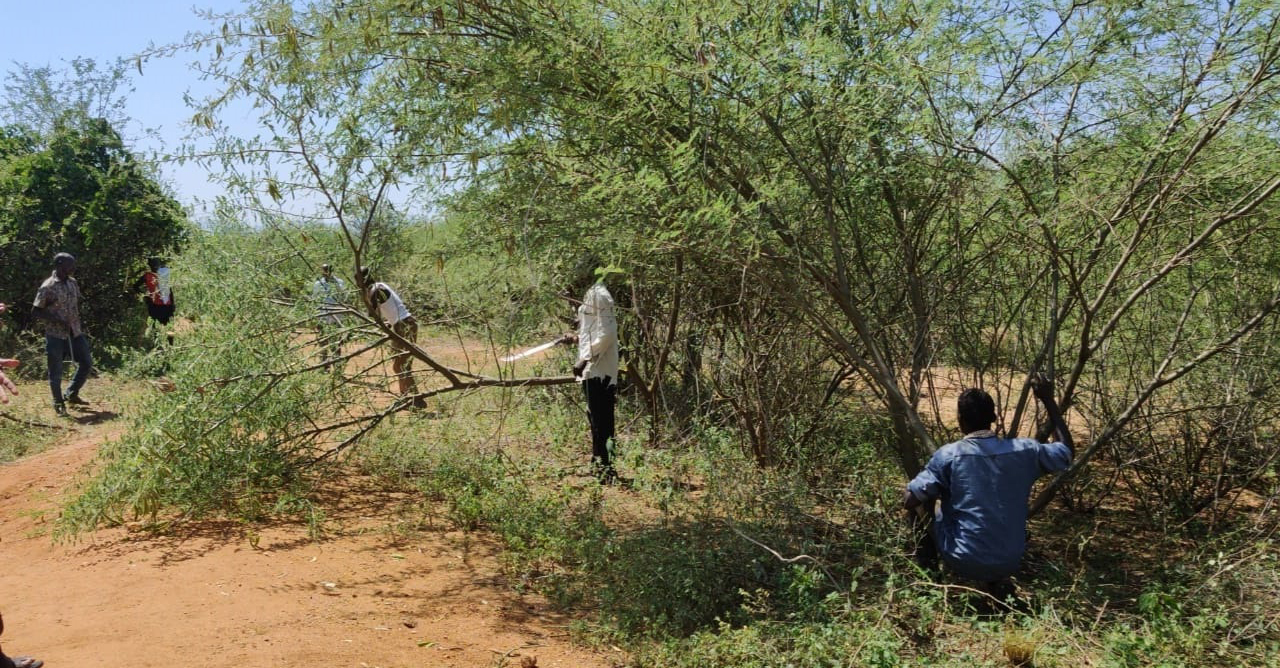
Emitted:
pixel 789 560
pixel 32 423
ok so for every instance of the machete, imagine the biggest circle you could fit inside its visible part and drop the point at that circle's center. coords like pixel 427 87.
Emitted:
pixel 527 353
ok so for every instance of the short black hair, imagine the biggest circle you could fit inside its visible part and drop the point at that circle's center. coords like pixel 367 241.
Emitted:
pixel 975 408
pixel 583 272
pixel 63 257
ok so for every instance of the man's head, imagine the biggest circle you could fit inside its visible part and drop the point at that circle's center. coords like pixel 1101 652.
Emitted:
pixel 64 264
pixel 581 275
pixel 154 263
pixel 366 275
pixel 975 409
pixel 326 270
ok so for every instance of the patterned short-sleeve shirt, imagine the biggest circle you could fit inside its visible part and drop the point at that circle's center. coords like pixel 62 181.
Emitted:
pixel 61 298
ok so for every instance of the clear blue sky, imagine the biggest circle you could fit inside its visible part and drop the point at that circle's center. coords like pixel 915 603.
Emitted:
pixel 54 32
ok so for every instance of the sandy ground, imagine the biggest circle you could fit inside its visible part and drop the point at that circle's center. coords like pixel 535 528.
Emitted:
pixel 207 595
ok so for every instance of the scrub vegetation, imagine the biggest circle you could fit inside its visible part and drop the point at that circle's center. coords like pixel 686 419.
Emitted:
pixel 819 220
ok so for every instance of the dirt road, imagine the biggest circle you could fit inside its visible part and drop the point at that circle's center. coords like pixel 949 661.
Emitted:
pixel 216 594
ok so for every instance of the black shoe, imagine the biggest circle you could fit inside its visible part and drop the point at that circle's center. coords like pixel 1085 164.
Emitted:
pixel 19 662
pixel 75 400
pixel 60 408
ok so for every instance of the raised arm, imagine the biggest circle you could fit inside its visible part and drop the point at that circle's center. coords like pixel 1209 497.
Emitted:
pixel 1042 387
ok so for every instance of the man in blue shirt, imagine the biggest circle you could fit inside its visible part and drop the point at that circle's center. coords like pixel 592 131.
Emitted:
pixel 983 482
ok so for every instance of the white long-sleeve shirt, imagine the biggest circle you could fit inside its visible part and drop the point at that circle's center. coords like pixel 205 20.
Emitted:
pixel 598 335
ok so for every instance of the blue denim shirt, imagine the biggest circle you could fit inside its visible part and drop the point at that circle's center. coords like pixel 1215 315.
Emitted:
pixel 983 482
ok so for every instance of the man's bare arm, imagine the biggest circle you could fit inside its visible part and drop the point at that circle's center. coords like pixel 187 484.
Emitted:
pixel 1042 387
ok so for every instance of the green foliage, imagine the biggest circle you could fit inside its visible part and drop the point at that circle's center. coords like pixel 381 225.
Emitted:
pixel 457 282
pixel 206 449
pixel 684 576
pixel 80 190
pixel 678 568
pixel 851 640
pixel 893 187
pixel 827 216
pixel 236 435
pixel 1167 633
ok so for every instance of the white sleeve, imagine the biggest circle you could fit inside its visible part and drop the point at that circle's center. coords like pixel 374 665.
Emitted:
pixel 602 325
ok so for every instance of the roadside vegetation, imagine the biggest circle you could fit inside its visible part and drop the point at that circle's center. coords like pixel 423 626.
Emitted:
pixel 820 221
pixel 703 557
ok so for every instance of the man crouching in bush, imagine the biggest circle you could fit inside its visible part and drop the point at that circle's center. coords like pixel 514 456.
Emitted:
pixel 983 481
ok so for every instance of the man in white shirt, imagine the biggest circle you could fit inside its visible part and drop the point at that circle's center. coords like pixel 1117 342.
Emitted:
pixel 597 369
pixel 389 308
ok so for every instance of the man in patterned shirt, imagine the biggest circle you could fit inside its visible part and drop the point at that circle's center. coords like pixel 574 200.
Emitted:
pixel 58 304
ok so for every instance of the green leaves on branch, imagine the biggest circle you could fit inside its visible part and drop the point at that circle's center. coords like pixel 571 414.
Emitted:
pixel 914 186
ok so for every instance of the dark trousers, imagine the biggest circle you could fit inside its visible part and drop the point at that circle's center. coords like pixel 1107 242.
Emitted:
pixel 329 338
pixel 601 398
pixel 57 350
pixel 924 547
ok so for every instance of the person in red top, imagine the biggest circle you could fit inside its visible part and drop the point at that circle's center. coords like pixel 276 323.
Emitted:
pixel 159 294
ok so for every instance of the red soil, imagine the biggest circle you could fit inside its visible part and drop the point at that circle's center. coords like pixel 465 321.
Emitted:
pixel 220 594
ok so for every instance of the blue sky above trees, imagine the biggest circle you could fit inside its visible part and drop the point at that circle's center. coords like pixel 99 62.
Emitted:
pixel 53 33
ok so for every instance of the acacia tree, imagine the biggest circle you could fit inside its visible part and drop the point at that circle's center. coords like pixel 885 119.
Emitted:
pixel 911 168
pixel 246 422
pixel 1044 187
pixel 41 98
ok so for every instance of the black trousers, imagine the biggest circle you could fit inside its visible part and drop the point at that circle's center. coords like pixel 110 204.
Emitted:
pixel 602 396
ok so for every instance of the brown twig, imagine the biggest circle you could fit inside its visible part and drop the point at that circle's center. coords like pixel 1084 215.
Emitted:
pixel 31 423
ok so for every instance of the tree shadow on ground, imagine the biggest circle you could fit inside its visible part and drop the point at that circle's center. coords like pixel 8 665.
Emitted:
pixel 345 501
